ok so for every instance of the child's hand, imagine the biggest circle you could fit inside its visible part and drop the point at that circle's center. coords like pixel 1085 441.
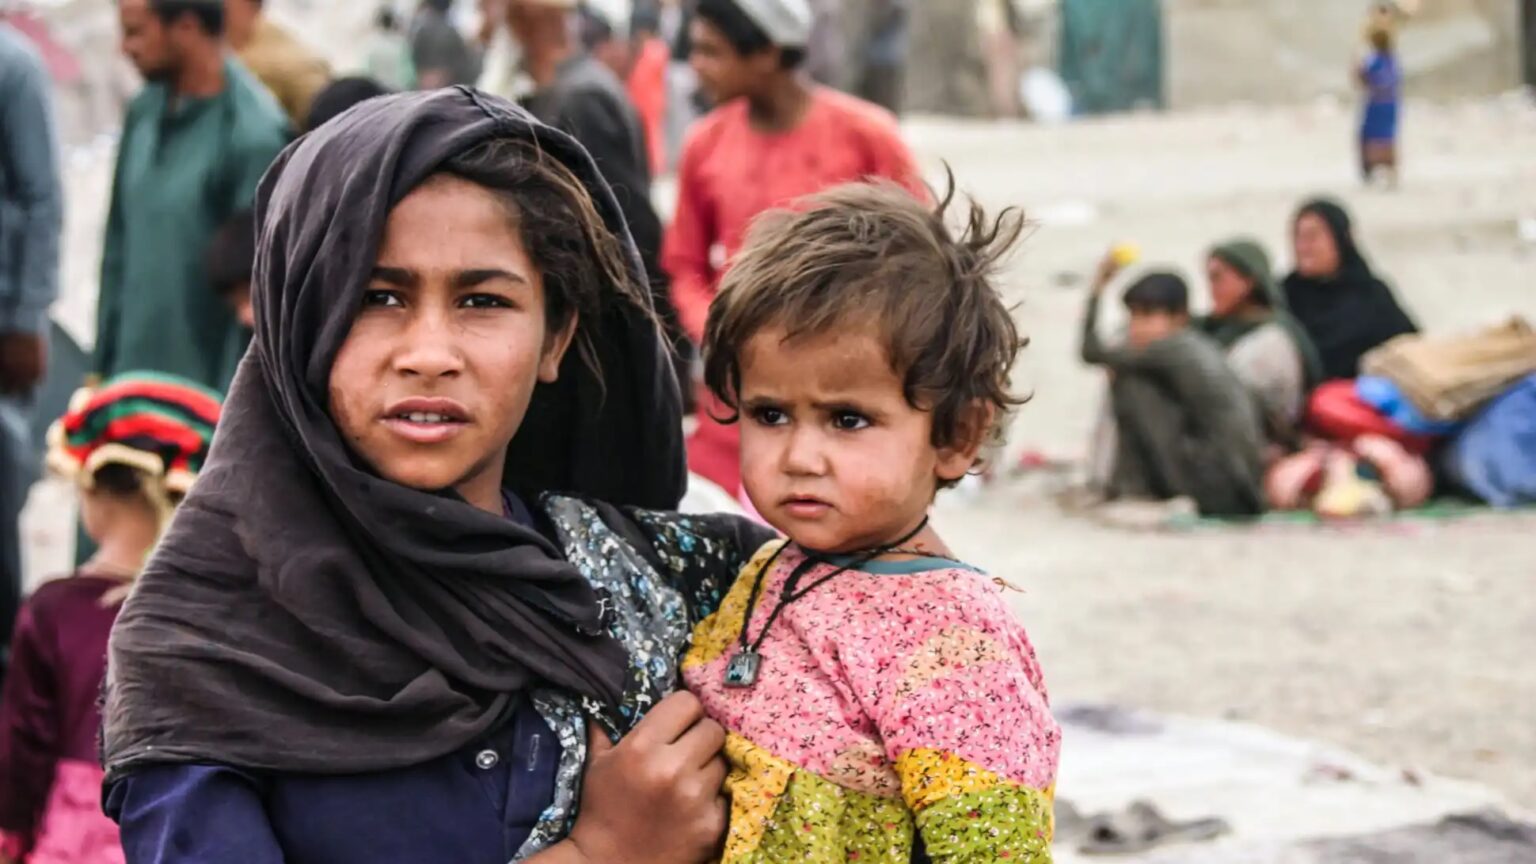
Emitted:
pixel 656 795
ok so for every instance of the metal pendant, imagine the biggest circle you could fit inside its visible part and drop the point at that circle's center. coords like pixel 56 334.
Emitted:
pixel 742 671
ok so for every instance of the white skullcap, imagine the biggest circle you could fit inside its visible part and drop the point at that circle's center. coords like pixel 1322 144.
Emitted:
pixel 787 22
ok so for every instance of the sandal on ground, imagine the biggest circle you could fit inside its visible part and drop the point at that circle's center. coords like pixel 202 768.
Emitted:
pixel 1141 827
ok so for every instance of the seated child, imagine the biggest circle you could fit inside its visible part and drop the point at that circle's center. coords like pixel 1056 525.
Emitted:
pixel 1185 423
pixel 231 261
pixel 882 705
pixel 133 446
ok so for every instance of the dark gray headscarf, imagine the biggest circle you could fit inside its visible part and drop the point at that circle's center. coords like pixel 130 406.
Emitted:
pixel 303 614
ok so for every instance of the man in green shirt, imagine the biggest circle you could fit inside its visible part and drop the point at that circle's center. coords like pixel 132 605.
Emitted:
pixel 195 143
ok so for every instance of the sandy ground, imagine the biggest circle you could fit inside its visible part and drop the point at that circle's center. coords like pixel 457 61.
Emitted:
pixel 1407 643
pixel 1410 644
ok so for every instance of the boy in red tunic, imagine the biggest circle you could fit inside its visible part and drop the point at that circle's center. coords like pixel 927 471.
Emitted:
pixel 773 139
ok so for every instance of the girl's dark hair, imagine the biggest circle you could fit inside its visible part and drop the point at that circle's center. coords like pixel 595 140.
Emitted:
pixel 871 253
pixel 743 33
pixel 583 264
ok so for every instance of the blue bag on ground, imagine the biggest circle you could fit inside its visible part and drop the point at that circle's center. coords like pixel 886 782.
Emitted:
pixel 1495 456
pixel 1385 396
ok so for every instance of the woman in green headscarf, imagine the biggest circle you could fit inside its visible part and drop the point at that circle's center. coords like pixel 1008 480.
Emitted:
pixel 1266 347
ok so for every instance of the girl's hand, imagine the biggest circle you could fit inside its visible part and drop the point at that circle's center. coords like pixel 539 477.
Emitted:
pixel 655 797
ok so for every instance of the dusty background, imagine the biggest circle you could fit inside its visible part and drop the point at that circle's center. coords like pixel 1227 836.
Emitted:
pixel 1410 643
pixel 1221 51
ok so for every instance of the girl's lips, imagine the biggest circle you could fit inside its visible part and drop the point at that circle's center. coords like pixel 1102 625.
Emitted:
pixel 430 432
pixel 426 420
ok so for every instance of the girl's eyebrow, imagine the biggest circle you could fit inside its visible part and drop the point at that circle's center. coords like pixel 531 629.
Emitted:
pixel 480 276
pixel 403 278
pixel 397 276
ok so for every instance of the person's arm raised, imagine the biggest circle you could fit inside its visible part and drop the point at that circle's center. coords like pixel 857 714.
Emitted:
pixel 653 798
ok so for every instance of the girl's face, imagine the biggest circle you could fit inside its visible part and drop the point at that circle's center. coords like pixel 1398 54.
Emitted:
pixel 1317 252
pixel 1230 289
pixel 832 454
pixel 436 374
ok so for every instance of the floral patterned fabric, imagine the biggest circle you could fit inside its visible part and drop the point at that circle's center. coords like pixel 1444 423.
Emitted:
pixel 899 713
pixel 658 575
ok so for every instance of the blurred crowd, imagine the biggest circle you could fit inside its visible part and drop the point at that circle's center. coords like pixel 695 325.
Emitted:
pixel 1316 392
pixel 1313 392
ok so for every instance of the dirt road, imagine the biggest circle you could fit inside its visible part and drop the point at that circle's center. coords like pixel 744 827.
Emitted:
pixel 1410 643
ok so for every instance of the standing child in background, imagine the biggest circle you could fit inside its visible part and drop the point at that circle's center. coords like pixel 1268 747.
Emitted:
pixel 882 705
pixel 772 139
pixel 133 446
pixel 1381 79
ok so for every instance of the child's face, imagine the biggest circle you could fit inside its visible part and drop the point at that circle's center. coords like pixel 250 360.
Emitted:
pixel 832 454
pixel 1149 327
pixel 436 374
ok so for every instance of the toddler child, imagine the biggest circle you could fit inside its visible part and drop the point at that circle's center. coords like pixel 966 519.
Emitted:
pixel 1381 80
pixel 881 703
pixel 133 446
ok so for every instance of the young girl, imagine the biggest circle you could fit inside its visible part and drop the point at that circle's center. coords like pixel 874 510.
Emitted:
pixel 133 446
pixel 1381 79
pixel 881 703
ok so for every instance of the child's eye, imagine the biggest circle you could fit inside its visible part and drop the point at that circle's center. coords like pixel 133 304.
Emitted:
pixel 381 298
pixel 767 415
pixel 849 421
pixel 485 301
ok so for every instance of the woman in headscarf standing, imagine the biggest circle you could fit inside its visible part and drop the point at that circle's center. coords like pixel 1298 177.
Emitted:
pixel 416 575
pixel 1267 347
pixel 1343 306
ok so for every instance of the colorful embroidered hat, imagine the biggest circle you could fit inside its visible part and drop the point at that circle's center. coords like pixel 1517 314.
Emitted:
pixel 159 424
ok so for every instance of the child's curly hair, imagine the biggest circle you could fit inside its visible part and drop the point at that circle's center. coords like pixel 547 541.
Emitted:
pixel 871 253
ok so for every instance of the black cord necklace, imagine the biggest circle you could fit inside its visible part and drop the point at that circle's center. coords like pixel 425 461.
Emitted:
pixel 747 664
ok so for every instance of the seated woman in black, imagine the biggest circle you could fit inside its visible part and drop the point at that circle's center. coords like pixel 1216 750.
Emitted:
pixel 415 576
pixel 1344 308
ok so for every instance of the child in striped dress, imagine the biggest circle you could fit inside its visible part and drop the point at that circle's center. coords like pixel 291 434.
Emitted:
pixel 881 702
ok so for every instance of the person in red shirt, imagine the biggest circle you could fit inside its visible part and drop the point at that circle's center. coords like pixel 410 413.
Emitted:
pixel 774 138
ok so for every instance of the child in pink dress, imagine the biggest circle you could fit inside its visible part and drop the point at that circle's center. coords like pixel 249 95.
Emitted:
pixel 881 702
pixel 133 446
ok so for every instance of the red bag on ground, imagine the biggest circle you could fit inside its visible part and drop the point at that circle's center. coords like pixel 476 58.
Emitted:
pixel 1336 412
